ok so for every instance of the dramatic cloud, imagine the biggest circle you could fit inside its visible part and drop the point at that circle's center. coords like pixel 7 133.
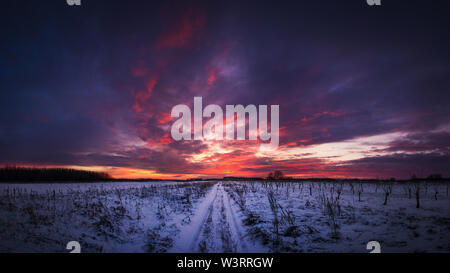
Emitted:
pixel 362 92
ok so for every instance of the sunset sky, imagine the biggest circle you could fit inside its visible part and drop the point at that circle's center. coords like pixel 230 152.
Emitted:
pixel 363 91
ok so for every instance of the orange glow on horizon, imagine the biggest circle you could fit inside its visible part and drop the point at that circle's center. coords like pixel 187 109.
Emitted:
pixel 216 171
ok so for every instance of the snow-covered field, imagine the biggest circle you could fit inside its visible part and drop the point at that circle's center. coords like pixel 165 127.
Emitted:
pixel 225 217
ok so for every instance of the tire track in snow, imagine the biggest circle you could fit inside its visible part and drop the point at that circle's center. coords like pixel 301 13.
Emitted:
pixel 236 228
pixel 188 237
pixel 214 236
pixel 215 227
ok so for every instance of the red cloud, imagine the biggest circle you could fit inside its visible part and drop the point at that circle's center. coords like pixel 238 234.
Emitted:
pixel 142 96
pixel 334 114
pixel 164 118
pixel 212 74
pixel 183 32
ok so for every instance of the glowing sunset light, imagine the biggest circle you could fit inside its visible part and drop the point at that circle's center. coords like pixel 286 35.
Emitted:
pixel 347 150
pixel 350 105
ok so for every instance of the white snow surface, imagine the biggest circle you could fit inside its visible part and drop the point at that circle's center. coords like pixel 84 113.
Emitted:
pixel 225 216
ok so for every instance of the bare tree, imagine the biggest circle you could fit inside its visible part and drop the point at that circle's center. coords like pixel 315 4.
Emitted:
pixel 417 193
pixel 278 175
pixel 352 187
pixel 360 190
pixel 387 188
pixel 276 222
pixel 436 191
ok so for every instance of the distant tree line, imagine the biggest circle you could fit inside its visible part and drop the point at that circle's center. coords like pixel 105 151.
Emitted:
pixel 24 174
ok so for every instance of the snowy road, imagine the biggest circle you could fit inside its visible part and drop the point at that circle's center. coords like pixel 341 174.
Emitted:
pixel 216 227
